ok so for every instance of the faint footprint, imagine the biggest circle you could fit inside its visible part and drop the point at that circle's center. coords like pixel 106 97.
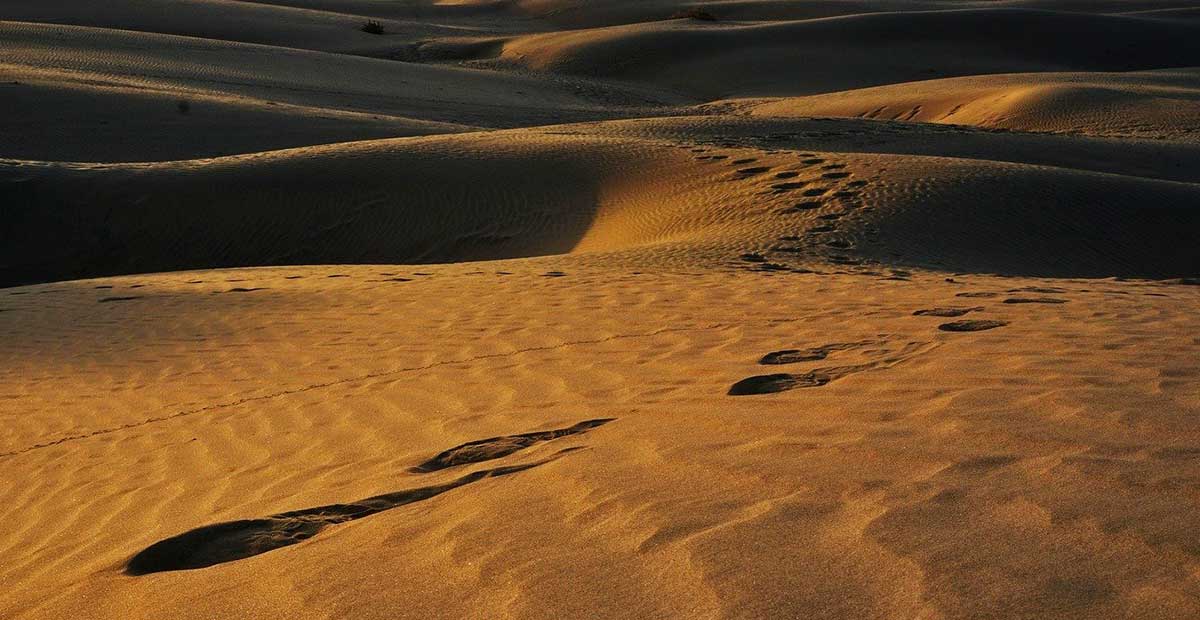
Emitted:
pixel 976 325
pixel 946 312
pixel 1034 300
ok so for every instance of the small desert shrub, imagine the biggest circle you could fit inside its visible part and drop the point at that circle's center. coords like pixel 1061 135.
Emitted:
pixel 694 13
pixel 372 27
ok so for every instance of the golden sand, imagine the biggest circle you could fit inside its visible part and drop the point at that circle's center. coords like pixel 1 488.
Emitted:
pixel 562 309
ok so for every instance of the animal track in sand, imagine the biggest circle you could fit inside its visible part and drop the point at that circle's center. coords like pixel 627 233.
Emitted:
pixel 1034 300
pixel 497 447
pixel 946 312
pixel 976 325
pixel 235 540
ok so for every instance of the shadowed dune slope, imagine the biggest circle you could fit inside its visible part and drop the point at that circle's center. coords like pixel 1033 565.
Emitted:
pixel 313 79
pixel 713 59
pixel 50 109
pixel 385 201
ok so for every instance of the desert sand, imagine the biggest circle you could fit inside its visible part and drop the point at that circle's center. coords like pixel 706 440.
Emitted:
pixel 541 309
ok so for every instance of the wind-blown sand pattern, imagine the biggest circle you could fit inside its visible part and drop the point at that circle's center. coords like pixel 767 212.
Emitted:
pixel 563 309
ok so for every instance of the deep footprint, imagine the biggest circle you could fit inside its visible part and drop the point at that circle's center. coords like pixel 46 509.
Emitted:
pixel 236 540
pixel 497 447
pixel 792 356
pixel 780 382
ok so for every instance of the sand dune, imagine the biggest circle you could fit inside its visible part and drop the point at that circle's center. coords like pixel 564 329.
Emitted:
pixel 525 309
pixel 527 193
pixel 1161 104
pixel 714 60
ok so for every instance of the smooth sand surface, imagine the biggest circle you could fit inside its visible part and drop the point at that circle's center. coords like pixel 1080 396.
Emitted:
pixel 563 309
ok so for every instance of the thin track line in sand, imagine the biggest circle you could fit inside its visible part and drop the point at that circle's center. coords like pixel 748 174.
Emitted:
pixel 373 375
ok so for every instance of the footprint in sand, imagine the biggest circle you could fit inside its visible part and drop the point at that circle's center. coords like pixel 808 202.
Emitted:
pixel 807 205
pixel 780 382
pixel 977 294
pixel 946 312
pixel 976 325
pixel 240 289
pixel 792 356
pixel 112 299
pixel 236 540
pixel 1034 300
pixel 497 447
pixel 753 170
pixel 1038 289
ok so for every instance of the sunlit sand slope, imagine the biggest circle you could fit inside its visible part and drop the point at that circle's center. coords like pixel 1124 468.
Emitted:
pixel 1039 468
pixel 1162 104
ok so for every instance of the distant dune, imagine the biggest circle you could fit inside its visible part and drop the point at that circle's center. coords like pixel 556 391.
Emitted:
pixel 526 309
